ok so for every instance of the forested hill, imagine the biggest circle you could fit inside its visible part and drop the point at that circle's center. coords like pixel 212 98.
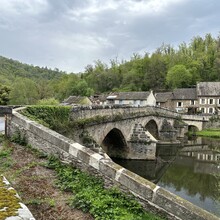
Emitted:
pixel 10 69
pixel 166 68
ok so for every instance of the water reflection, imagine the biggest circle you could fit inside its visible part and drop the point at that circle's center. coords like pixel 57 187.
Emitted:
pixel 192 172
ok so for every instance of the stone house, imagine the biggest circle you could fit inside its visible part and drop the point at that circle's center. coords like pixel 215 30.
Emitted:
pixel 185 100
pixel 181 100
pixel 205 98
pixel 132 98
pixel 164 99
pixel 209 97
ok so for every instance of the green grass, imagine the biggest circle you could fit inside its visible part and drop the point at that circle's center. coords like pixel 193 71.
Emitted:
pixel 214 133
pixel 90 195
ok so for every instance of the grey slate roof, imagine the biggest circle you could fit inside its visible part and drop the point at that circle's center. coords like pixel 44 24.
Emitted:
pixel 208 89
pixel 185 94
pixel 129 95
pixel 163 96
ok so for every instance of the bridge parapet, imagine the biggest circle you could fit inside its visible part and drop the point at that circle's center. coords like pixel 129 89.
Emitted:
pixel 196 117
pixel 123 111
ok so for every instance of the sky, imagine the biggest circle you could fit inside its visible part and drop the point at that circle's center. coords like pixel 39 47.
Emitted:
pixel 71 34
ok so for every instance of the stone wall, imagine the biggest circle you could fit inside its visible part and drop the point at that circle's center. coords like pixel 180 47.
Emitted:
pixel 151 196
pixel 125 111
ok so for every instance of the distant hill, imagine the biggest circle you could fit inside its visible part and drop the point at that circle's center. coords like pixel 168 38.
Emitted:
pixel 11 69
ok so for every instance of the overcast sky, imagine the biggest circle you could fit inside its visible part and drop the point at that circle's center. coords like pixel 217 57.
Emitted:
pixel 70 34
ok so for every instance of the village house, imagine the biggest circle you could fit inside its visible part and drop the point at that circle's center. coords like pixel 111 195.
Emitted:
pixel 185 100
pixel 164 99
pixel 209 97
pixel 137 99
pixel 205 98
pixel 181 100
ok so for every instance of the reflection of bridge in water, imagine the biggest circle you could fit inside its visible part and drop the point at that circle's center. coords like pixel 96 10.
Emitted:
pixel 192 172
pixel 202 158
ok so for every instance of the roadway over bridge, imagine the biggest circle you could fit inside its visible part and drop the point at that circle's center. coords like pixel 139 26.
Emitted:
pixel 132 132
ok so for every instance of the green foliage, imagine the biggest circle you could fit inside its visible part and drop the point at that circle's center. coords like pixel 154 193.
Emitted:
pixel 19 138
pixel 24 91
pixel 179 77
pixel 90 195
pixel 5 155
pixel 54 117
pixel 4 94
pixel 165 68
pixel 49 101
pixel 214 133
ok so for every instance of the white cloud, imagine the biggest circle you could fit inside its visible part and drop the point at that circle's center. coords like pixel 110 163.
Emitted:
pixel 149 6
pixel 21 7
pixel 71 34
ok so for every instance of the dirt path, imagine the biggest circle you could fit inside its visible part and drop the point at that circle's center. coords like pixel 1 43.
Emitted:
pixel 36 185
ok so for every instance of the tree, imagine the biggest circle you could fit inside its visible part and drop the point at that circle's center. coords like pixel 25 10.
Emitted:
pixel 178 77
pixel 24 92
pixel 49 101
pixel 4 94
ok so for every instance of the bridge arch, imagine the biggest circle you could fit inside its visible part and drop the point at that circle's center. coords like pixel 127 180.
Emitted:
pixel 114 144
pixel 152 127
pixel 193 128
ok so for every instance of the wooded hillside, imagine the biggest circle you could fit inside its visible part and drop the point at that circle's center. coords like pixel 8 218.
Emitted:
pixel 166 68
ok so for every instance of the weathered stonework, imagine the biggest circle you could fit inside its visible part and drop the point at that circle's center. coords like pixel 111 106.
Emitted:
pixel 150 196
pixel 23 213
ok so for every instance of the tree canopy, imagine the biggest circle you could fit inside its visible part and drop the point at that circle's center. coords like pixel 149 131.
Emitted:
pixel 164 69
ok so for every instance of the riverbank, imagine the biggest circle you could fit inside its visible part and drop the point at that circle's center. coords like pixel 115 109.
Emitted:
pixel 212 133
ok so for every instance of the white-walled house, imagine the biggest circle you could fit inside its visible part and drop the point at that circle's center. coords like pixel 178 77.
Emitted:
pixel 132 98
pixel 208 97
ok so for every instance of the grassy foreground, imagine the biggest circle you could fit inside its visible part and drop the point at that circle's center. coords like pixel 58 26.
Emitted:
pixel 212 133
pixel 83 191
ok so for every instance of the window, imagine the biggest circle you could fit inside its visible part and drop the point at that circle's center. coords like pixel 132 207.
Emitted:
pixel 179 104
pixel 192 102
pixel 211 110
pixel 218 101
pixel 202 110
pixel 209 157
pixel 211 101
pixel 202 101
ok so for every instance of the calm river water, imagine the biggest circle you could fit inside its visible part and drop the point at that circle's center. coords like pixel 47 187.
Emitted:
pixel 2 124
pixel 192 171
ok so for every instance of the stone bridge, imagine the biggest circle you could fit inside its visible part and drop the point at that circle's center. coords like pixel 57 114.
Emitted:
pixel 132 132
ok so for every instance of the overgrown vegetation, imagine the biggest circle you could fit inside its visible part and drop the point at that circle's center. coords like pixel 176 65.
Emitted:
pixel 54 117
pixel 88 192
pixel 58 118
pixel 90 195
pixel 9 202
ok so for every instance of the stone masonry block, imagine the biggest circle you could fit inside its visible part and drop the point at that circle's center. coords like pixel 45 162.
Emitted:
pixel 180 207
pixel 94 160
pixel 136 184
pixel 108 168
pixel 84 155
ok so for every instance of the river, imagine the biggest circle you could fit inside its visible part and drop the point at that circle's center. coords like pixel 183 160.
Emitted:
pixel 2 124
pixel 191 172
